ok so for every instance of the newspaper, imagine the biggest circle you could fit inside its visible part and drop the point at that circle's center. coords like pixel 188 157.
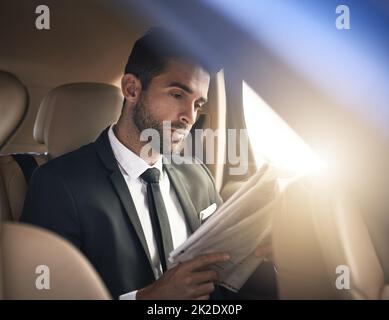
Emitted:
pixel 238 226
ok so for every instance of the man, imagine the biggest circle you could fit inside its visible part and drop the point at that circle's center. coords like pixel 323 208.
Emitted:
pixel 126 209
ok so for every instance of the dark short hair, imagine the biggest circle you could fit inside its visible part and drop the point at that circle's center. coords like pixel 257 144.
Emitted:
pixel 151 52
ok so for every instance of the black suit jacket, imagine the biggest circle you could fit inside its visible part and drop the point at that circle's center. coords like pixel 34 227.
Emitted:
pixel 83 197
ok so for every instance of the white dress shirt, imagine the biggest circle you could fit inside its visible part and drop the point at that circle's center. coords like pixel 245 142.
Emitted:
pixel 131 167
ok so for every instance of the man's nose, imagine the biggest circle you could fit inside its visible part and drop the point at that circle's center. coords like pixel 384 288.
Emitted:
pixel 189 115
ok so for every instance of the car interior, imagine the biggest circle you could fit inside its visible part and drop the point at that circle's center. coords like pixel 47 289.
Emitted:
pixel 313 99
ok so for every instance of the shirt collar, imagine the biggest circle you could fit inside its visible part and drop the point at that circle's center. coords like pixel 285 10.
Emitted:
pixel 130 162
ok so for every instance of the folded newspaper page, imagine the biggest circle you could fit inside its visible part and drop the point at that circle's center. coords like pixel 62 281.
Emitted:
pixel 238 226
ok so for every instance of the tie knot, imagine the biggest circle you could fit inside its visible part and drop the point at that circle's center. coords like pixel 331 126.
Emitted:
pixel 151 175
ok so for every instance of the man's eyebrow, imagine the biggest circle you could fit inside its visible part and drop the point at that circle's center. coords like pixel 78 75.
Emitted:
pixel 185 88
pixel 181 86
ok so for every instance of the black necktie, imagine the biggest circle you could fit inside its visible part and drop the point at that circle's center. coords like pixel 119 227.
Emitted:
pixel 158 215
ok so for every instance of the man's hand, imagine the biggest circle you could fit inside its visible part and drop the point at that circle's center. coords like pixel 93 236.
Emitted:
pixel 264 251
pixel 186 281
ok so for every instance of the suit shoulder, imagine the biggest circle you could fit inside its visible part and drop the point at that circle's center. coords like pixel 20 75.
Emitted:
pixel 70 161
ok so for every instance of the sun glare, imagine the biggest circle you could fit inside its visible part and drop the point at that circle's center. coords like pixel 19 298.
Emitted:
pixel 273 141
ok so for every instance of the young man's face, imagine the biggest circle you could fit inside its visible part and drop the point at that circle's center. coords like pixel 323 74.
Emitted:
pixel 176 95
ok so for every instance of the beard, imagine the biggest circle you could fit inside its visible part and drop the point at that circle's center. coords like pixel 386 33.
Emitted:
pixel 167 138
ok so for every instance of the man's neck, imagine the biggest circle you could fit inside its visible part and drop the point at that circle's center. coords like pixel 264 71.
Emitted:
pixel 129 136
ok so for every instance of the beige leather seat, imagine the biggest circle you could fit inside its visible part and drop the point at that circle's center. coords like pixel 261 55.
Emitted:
pixel 75 114
pixel 317 230
pixel 13 187
pixel 37 264
pixel 13 105
pixel 70 116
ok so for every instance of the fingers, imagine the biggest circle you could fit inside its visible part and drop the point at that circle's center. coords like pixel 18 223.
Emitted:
pixel 263 250
pixel 204 289
pixel 269 257
pixel 201 277
pixel 205 297
pixel 205 260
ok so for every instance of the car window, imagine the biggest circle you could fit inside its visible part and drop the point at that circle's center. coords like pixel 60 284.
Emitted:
pixel 274 141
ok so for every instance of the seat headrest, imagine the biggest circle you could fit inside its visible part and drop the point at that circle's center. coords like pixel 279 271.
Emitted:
pixel 26 248
pixel 74 114
pixel 13 104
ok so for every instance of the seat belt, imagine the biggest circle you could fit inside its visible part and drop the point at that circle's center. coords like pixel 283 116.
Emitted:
pixel 27 164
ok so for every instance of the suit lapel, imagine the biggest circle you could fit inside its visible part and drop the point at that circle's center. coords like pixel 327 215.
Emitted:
pixel 190 212
pixel 103 148
pixel 128 204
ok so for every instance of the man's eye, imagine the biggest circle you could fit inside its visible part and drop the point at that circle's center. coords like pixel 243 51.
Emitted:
pixel 198 107
pixel 176 95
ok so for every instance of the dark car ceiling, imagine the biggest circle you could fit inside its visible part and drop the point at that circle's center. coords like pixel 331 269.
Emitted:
pixel 85 42
pixel 90 40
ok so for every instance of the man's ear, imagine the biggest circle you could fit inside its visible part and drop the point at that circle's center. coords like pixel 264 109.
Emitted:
pixel 131 88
